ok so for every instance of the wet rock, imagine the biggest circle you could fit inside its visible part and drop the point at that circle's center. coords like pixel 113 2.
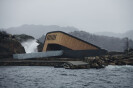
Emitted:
pixel 95 62
pixel 9 45
pixel 40 46
pixel 120 63
pixel 22 37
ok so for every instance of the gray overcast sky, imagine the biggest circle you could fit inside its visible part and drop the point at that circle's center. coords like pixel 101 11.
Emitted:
pixel 88 15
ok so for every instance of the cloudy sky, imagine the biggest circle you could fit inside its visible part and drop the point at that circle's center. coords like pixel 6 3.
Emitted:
pixel 88 15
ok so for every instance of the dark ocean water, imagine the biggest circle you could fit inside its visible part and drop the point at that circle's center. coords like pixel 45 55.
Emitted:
pixel 50 77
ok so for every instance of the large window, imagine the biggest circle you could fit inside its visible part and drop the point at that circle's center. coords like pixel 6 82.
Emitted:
pixel 52 47
pixel 51 37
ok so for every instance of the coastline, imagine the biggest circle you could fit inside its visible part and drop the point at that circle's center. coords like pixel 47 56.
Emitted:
pixel 93 62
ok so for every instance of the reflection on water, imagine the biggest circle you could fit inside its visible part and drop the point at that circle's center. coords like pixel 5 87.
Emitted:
pixel 49 77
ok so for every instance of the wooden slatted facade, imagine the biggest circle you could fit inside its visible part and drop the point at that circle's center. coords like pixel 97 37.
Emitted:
pixel 59 40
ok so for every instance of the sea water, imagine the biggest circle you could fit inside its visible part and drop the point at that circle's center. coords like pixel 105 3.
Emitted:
pixel 50 77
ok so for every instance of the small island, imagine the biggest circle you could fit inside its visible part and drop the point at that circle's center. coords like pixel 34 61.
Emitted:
pixel 75 54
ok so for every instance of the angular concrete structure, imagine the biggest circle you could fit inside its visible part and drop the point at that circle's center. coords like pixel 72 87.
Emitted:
pixel 59 40
pixel 60 44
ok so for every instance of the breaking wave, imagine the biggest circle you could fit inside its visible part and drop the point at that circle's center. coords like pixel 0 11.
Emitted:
pixel 30 46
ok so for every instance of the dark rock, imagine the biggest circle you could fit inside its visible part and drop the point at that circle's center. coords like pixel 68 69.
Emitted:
pixel 120 63
pixel 22 37
pixel 9 45
pixel 41 39
pixel 95 62
pixel 40 46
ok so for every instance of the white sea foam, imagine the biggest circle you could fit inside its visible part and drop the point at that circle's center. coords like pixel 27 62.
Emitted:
pixel 30 46
pixel 116 67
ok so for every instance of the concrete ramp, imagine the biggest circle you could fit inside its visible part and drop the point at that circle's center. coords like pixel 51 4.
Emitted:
pixel 38 55
pixel 62 54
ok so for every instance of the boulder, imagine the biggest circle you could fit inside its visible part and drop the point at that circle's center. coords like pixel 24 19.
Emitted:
pixel 95 62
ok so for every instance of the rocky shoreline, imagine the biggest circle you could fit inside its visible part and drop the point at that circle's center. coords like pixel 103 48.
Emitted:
pixel 102 61
pixel 93 62
pixel 9 45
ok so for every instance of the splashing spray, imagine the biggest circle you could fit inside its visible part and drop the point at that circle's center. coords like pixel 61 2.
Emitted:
pixel 30 46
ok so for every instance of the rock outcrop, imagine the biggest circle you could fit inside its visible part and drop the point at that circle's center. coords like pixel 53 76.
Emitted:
pixel 23 37
pixel 9 45
pixel 40 46
pixel 95 62
pixel 117 59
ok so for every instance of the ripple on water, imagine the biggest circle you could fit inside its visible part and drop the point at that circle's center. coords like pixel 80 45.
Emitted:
pixel 49 77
